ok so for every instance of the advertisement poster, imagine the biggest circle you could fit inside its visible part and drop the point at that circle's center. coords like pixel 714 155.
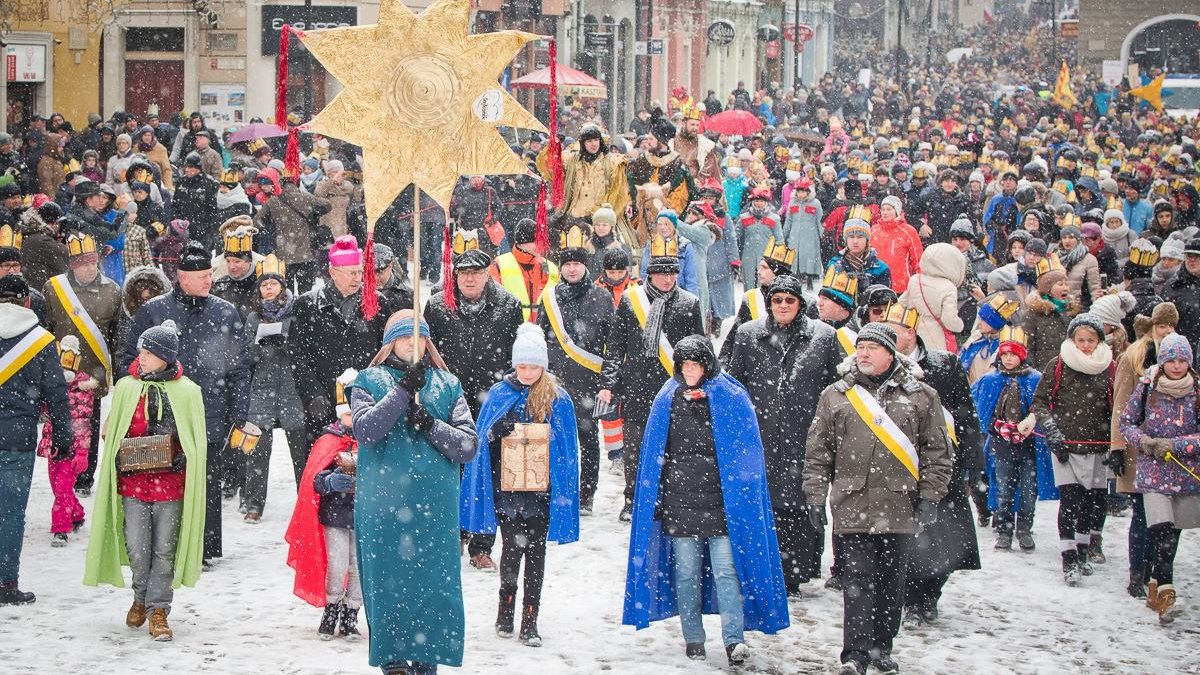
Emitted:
pixel 223 105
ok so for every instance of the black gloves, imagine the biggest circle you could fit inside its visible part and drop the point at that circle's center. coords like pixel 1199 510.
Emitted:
pixel 340 482
pixel 179 462
pixel 927 513
pixel 1056 442
pixel 420 418
pixel 414 378
pixel 502 428
pixel 816 516
pixel 1116 462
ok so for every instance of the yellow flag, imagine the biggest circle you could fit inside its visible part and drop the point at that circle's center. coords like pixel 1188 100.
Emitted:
pixel 1062 88
pixel 1151 93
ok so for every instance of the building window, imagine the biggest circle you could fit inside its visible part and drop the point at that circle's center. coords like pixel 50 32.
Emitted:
pixel 154 40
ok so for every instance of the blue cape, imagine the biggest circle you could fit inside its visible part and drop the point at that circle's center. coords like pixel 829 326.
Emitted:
pixel 1005 205
pixel 986 393
pixel 650 582
pixel 477 508
pixel 972 350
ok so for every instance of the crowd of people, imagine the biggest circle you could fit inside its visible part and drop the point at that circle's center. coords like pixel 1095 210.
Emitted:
pixel 883 323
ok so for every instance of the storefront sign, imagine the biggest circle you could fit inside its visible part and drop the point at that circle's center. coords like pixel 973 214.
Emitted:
pixel 25 63
pixel 275 17
pixel 721 32
pixel 223 104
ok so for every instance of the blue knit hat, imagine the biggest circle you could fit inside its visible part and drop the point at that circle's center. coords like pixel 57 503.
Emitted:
pixel 530 347
pixel 1174 346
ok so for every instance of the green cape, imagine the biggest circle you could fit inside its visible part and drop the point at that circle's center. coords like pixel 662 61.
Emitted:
pixel 106 549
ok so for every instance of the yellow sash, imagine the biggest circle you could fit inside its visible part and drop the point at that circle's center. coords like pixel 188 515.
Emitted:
pixel 641 308
pixel 577 354
pixel 83 321
pixel 846 338
pixel 877 420
pixel 756 303
pixel 21 353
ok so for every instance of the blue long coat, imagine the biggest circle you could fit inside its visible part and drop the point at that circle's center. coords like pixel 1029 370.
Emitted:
pixel 649 581
pixel 477 510
pixel 986 393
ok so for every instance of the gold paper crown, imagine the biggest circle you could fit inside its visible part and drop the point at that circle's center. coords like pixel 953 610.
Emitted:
pixel 240 240
pixel 231 176
pixel 9 238
pixel 270 265
pixel 779 252
pixel 1070 219
pixel 1049 264
pixel 342 383
pixel 795 165
pixel 1014 334
pixel 733 161
pixel 663 248
pixel 69 358
pixel 1114 203
pixel 79 244
pixel 860 212
pixel 465 240
pixel 692 113
pixel 898 313
pixel 1145 257
pixel 1004 307
pixel 256 145
pixel 1087 171
pixel 572 238
pixel 840 281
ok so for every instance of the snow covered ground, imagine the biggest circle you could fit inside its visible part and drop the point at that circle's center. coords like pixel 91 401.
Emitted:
pixel 1014 616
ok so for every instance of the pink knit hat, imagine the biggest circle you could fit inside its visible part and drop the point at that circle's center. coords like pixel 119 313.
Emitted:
pixel 345 252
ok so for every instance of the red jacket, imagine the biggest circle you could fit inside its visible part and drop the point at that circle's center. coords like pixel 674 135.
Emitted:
pixel 899 246
pixel 155 486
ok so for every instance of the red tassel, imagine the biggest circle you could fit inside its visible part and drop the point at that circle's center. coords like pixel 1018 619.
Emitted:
pixel 448 297
pixel 554 161
pixel 281 79
pixel 291 157
pixel 542 236
pixel 370 301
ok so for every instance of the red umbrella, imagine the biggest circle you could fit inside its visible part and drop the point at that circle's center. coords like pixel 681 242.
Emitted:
pixel 734 123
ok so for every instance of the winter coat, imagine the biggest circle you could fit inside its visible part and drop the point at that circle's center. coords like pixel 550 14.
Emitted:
pixel 50 173
pixel 1155 414
pixel 470 208
pixel 1147 299
pixel 39 382
pixel 873 271
pixel 286 224
pixel 802 232
pixel 158 156
pixel 1045 329
pixel 754 231
pixel 130 305
pixel 599 245
pixel 273 393
pixel 477 348
pixel 986 393
pixel 690 501
pixel 195 201
pixel 340 197
pixel 628 371
pixel 723 260
pixel 1184 291
pixel 690 269
pixel 586 311
pixel 1084 279
pixel 94 224
pixel 784 369
pixel 241 293
pixel 42 254
pixel 336 509
pixel 899 247
pixel 1081 410
pixel 933 292
pixel 213 349
pixel 322 342
pixel 869 489
pixel 700 238
pixel 101 299
pixel 1139 357
pixel 943 208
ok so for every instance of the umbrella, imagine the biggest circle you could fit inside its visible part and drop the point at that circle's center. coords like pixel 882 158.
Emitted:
pixel 734 123
pixel 570 81
pixel 256 131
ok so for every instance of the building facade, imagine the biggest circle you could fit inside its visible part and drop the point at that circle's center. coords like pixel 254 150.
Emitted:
pixel 1157 34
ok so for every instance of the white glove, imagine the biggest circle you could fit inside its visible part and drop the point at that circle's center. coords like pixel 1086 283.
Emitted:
pixel 1025 426
pixel 89 384
pixel 68 375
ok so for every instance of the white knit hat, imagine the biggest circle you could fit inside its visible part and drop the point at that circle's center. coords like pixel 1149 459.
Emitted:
pixel 1172 248
pixel 1112 308
pixel 895 203
pixel 530 347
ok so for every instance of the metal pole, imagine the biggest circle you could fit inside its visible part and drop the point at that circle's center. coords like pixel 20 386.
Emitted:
pixel 416 285
pixel 796 49
pixel 1054 36
pixel 308 93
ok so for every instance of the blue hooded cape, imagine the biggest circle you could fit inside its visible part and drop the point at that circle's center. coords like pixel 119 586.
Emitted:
pixel 477 508
pixel 649 582
pixel 1003 204
pixel 988 345
pixel 986 393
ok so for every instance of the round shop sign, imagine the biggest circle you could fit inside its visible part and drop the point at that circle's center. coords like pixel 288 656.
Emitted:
pixel 721 32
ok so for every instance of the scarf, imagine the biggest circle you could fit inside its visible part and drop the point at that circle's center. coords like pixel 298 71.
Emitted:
pixel 854 261
pixel 1184 386
pixel 1095 249
pixel 1059 305
pixel 573 291
pixel 654 322
pixel 1093 364
pixel 234 197
pixel 1113 236
pixel 147 147
pixel 275 310
pixel 1071 258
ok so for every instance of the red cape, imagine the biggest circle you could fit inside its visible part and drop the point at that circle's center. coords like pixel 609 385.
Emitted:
pixel 305 538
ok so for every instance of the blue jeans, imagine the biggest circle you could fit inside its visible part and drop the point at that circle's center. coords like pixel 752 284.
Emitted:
pixel 689 582
pixel 16 474
pixel 1015 472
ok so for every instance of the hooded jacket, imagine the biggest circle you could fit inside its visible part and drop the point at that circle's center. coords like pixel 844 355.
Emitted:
pixel 899 247
pixel 39 382
pixel 1045 328
pixel 933 292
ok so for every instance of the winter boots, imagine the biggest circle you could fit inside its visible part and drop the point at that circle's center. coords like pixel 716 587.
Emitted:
pixel 1094 553
pixel 586 500
pixel 504 615
pixel 1025 540
pixel 912 618
pixel 159 629
pixel 695 651
pixel 348 625
pixel 58 540
pixel 1161 599
pixel 483 561
pixel 737 653
pixel 885 664
pixel 1137 584
pixel 11 595
pixel 329 620
pixel 1004 541
pixel 136 616
pixel 626 514
pixel 529 631
pixel 1072 572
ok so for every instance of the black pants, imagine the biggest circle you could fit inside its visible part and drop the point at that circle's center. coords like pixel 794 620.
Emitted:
pixel 85 479
pixel 212 502
pixel 924 592
pixel 233 471
pixel 301 275
pixel 1164 542
pixel 523 538
pixel 589 443
pixel 1080 513
pixel 1139 536
pixel 800 547
pixel 872 571
pixel 977 487
pixel 634 428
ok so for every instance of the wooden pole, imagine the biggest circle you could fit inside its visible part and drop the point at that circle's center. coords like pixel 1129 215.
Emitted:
pixel 416 278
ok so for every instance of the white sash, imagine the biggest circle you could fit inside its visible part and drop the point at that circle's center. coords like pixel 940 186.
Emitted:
pixel 950 426
pixel 576 353
pixel 83 321
pixel 885 429
pixel 21 353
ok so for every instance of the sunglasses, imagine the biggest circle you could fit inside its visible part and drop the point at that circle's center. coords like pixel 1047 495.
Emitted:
pixel 784 300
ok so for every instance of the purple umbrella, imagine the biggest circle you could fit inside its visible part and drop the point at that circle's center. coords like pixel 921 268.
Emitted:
pixel 256 131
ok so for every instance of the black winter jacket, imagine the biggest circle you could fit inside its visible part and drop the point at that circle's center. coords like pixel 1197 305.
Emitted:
pixel 322 343
pixel 587 312
pixel 38 381
pixel 690 501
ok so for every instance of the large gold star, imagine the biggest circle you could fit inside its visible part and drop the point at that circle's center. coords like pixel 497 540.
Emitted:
pixel 421 98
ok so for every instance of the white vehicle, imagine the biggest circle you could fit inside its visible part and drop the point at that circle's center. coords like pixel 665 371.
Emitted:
pixel 1181 95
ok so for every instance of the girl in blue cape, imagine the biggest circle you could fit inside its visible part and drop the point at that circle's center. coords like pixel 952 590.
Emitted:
pixel 703 536
pixel 527 518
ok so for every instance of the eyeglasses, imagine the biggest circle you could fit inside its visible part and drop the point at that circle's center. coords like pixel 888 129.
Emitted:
pixel 784 300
